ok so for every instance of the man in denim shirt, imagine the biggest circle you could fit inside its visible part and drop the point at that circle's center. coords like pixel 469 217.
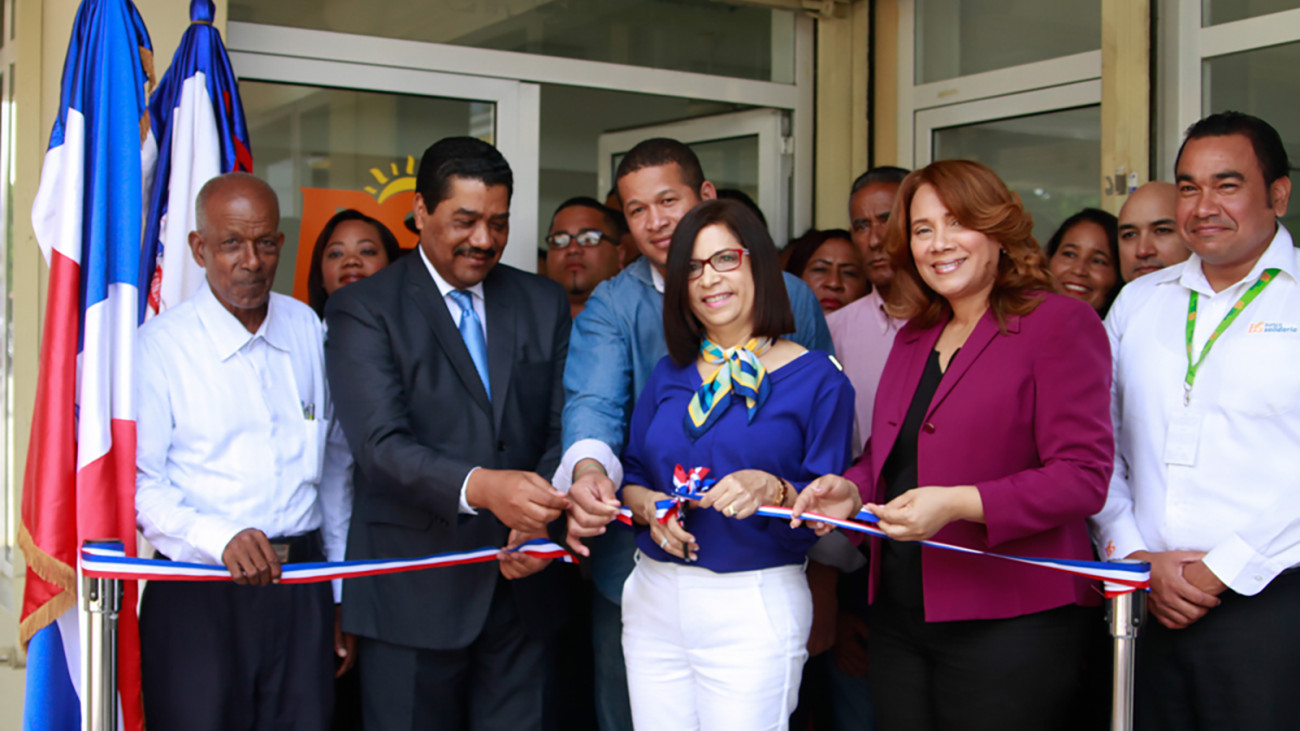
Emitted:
pixel 614 346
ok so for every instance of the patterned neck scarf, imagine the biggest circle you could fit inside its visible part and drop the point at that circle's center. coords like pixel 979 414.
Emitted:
pixel 739 370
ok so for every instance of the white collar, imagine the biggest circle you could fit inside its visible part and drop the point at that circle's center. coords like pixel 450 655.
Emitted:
pixel 443 287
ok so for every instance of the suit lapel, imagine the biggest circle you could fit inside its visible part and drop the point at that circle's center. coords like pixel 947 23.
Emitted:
pixel 979 340
pixel 499 304
pixel 424 294
pixel 915 347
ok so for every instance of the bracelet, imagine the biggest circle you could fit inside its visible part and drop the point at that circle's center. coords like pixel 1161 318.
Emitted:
pixel 781 498
pixel 597 465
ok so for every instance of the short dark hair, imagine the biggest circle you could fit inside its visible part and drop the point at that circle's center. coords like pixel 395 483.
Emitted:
pixel 460 157
pixel 803 248
pixel 615 219
pixel 882 174
pixel 1109 224
pixel 1269 150
pixel 736 194
pixel 772 314
pixel 658 151
pixel 316 294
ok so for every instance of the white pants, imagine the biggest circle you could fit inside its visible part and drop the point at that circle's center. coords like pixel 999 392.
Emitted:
pixel 714 651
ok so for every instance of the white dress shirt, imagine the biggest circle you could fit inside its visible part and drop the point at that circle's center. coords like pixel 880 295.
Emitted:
pixel 235 430
pixel 1239 498
pixel 476 297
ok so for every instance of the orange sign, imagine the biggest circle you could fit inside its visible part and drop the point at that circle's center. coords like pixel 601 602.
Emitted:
pixel 390 204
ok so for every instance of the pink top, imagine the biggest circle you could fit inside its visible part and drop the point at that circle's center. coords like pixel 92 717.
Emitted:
pixel 863 335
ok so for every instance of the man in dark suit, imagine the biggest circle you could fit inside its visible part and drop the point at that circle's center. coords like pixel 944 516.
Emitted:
pixel 446 370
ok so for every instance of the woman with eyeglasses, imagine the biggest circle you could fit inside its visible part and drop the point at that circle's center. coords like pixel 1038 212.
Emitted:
pixel 717 612
pixel 991 430
pixel 582 248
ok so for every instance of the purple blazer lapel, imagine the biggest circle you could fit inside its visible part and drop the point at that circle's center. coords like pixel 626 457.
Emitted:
pixel 902 375
pixel 979 340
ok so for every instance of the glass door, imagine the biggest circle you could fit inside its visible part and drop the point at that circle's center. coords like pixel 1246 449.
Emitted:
pixel 329 135
pixel 748 151
pixel 1045 144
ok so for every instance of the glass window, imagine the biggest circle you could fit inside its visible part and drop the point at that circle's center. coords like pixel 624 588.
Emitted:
pixel 1214 12
pixel 325 149
pixel 703 36
pixel 955 38
pixel 1050 159
pixel 574 118
pixel 1262 82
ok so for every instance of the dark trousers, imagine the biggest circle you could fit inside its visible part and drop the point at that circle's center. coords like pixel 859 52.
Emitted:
pixel 220 656
pixel 1236 668
pixel 1003 674
pixel 504 680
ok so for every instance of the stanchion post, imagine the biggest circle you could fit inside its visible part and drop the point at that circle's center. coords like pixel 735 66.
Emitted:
pixel 103 601
pixel 1124 615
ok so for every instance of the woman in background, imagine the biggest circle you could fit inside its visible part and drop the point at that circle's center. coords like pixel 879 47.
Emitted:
pixel 352 246
pixel 829 263
pixel 1083 256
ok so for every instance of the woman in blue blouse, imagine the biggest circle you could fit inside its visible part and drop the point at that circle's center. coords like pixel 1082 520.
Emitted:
pixel 717 612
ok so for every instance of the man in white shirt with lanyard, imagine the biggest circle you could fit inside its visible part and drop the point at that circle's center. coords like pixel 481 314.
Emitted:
pixel 236 466
pixel 1206 405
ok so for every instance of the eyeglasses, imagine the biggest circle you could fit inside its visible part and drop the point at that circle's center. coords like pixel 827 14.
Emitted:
pixel 723 261
pixel 586 239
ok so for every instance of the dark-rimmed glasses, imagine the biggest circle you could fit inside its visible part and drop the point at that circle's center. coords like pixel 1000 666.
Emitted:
pixel 587 239
pixel 725 260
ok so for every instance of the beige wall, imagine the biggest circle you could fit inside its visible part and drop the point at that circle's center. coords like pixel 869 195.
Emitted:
pixel 42 29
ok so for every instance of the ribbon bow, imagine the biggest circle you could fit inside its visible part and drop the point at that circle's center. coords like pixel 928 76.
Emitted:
pixel 687 485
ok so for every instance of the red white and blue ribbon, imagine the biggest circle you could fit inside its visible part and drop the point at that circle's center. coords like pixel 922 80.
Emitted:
pixel 109 561
pixel 1117 578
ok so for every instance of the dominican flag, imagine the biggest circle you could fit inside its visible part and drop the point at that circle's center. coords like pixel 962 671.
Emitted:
pixel 80 478
pixel 198 123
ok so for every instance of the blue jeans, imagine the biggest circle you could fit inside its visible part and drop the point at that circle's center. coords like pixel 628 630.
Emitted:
pixel 613 710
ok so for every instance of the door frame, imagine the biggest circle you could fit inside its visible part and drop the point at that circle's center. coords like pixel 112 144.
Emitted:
pixel 516 119
pixel 775 166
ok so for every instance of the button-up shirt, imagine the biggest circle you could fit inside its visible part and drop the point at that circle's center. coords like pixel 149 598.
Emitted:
pixel 235 430
pixel 1239 499
pixel 863 334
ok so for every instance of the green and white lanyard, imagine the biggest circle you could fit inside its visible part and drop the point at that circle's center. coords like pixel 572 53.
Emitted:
pixel 1241 304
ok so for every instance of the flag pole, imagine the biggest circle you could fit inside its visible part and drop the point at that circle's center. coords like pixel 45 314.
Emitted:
pixel 103 600
pixel 1124 616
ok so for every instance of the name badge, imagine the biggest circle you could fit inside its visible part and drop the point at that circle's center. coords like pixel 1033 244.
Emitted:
pixel 1184 435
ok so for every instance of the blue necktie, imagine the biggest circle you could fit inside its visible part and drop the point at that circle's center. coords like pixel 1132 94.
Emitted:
pixel 471 330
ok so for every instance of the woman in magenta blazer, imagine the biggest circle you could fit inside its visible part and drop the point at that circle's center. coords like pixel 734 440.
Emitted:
pixel 991 430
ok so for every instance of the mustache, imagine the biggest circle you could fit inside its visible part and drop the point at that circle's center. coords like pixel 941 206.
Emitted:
pixel 469 250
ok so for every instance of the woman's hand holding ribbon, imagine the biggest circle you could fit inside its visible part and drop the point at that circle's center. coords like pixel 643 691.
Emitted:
pixel 741 493
pixel 829 495
pixel 670 535
pixel 920 513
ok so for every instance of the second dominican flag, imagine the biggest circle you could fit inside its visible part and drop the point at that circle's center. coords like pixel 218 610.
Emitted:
pixel 197 121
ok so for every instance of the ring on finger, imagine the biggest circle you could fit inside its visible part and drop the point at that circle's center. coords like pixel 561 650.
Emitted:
pixel 731 511
pixel 664 543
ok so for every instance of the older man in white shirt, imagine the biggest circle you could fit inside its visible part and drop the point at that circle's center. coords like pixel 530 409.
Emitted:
pixel 1206 404
pixel 236 465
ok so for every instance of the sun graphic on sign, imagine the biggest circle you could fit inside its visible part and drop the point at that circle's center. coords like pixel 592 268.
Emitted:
pixel 395 181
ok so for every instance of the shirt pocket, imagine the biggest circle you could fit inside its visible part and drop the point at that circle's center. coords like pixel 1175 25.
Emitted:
pixel 1259 373
pixel 316 432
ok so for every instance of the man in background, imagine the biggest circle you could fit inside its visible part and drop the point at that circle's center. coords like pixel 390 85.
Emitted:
pixel 582 248
pixel 1148 234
